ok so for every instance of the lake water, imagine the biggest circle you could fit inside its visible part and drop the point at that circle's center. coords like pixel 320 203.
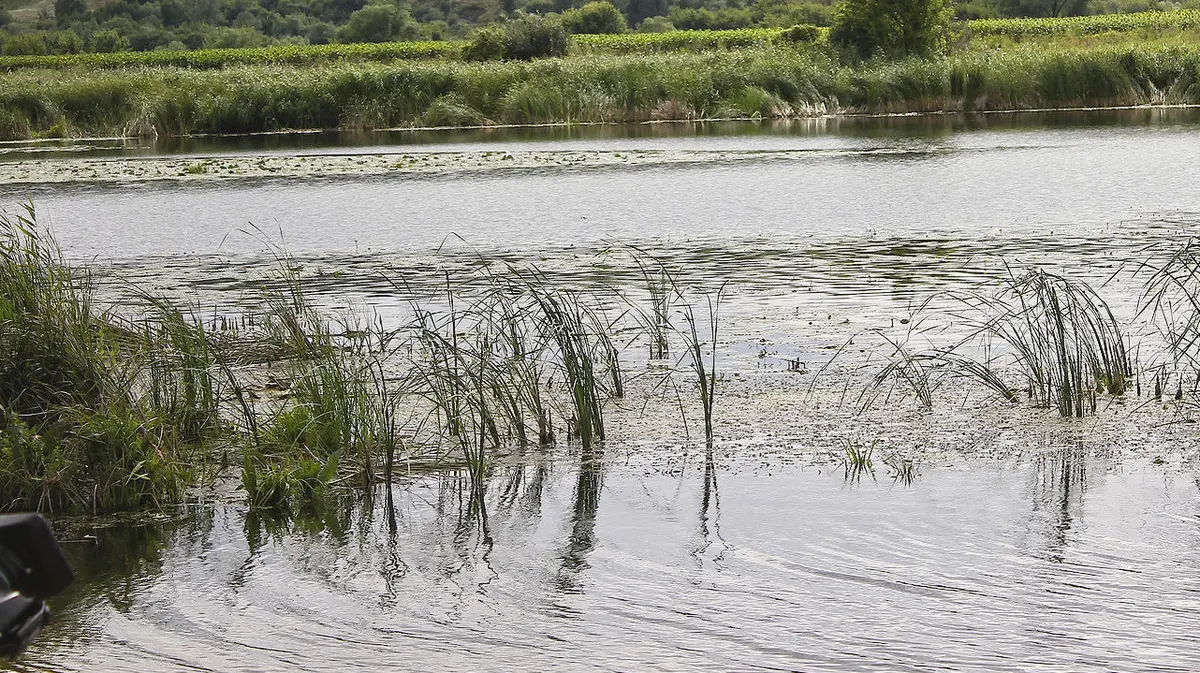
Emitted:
pixel 1026 542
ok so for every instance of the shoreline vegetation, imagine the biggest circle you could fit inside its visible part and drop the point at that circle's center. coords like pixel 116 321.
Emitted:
pixel 1010 64
pixel 147 403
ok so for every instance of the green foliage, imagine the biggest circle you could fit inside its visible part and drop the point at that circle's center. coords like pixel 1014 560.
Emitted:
pixel 41 43
pixel 220 58
pixel 489 43
pixel 96 412
pixel 801 34
pixel 533 36
pixel 692 77
pixel 379 23
pixel 656 24
pixel 594 18
pixel 707 19
pixel 108 42
pixel 452 110
pixel 681 40
pixel 893 28
pixel 65 10
pixel 638 11
pixel 524 37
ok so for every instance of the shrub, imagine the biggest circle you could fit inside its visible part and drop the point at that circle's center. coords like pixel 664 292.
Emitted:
pixel 893 28
pixel 108 42
pixel 784 14
pixel 656 24
pixel 489 43
pixel 523 37
pixel 26 44
pixel 594 18
pixel 707 19
pixel 801 34
pixel 379 23
pixel 64 42
pixel 533 36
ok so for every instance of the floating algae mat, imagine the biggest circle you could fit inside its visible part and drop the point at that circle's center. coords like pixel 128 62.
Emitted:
pixel 835 522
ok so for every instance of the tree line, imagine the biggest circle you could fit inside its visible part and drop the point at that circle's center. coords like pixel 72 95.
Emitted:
pixel 143 25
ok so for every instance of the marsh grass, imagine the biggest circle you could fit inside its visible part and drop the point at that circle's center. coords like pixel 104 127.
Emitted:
pixel 1171 299
pixel 1056 333
pixel 902 470
pixel 338 416
pixel 659 286
pixel 857 460
pixel 699 339
pixel 766 80
pixel 97 411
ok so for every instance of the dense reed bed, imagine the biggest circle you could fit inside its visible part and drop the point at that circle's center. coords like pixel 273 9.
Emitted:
pixel 97 411
pixel 755 82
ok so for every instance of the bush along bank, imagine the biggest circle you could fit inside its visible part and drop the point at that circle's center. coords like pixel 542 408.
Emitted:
pixel 767 82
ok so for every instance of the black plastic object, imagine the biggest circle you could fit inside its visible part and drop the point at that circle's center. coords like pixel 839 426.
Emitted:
pixel 32 568
pixel 41 570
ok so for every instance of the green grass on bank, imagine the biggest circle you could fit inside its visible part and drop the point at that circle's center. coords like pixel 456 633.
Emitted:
pixel 763 82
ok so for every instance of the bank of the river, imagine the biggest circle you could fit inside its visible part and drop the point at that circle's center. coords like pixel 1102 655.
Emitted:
pixel 767 82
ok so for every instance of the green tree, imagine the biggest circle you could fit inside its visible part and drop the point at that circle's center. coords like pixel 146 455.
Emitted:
pixel 533 36
pixel 65 10
pixel 640 10
pixel 523 37
pixel 1043 7
pixel 594 18
pixel 379 23
pixel 108 41
pixel 892 28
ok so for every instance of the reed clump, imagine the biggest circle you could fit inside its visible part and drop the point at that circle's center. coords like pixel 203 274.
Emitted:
pixel 1056 334
pixel 333 412
pixel 97 411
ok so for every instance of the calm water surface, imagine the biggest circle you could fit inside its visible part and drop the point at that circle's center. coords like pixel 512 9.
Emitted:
pixel 1077 549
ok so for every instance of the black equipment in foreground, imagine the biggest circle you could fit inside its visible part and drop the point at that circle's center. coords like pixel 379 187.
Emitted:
pixel 32 569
